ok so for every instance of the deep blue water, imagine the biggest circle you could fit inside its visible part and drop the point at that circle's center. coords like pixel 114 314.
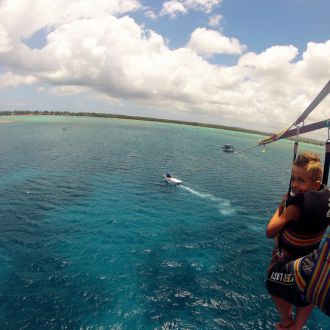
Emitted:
pixel 93 238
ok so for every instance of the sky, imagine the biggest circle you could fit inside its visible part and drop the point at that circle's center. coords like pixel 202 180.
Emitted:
pixel 254 64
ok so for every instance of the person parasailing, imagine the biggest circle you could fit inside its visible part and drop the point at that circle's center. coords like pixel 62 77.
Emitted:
pixel 298 225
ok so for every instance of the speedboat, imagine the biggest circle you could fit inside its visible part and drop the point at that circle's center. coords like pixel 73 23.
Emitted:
pixel 228 147
pixel 171 179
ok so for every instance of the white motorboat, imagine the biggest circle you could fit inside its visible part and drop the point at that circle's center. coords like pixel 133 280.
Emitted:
pixel 228 147
pixel 171 179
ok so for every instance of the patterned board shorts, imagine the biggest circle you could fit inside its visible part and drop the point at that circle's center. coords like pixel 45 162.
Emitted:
pixel 281 283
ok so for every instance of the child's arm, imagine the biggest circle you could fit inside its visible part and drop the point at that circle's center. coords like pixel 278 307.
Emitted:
pixel 281 218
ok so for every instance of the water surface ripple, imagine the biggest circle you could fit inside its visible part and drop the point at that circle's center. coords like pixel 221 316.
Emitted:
pixel 93 238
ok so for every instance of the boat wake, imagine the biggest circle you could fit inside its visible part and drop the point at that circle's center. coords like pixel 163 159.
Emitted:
pixel 224 205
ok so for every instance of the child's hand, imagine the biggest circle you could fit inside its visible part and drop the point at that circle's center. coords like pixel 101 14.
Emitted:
pixel 281 207
pixel 285 197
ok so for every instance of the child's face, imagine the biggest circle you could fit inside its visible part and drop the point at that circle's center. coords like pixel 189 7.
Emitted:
pixel 301 181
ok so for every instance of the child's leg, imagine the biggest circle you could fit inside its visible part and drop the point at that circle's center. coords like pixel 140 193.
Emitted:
pixel 285 311
pixel 302 315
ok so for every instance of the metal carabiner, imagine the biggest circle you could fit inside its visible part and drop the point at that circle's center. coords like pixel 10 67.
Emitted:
pixel 298 128
pixel 262 146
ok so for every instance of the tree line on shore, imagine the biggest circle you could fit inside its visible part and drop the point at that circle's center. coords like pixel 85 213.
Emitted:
pixel 172 121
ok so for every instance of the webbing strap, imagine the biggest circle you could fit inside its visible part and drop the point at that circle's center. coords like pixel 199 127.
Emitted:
pixel 319 98
pixel 295 150
pixel 306 128
pixel 275 137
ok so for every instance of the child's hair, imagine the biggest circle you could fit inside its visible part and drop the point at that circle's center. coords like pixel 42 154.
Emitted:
pixel 311 162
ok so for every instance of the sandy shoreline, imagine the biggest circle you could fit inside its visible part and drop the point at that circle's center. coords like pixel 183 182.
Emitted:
pixel 5 121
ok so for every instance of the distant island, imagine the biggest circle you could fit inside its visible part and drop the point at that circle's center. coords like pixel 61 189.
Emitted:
pixel 170 121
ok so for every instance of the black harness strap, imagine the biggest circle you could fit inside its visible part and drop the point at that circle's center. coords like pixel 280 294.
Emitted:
pixel 326 163
pixel 295 151
pixel 326 157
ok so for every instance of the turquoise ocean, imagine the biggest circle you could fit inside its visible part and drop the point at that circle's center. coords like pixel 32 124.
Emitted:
pixel 92 237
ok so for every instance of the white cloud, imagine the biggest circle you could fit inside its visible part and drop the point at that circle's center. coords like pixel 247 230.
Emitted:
pixel 105 99
pixel 116 60
pixel 203 5
pixel 24 17
pixel 215 20
pixel 150 14
pixel 10 80
pixel 67 90
pixel 176 7
pixel 316 61
pixel 274 57
pixel 5 42
pixel 172 8
pixel 41 89
pixel 209 42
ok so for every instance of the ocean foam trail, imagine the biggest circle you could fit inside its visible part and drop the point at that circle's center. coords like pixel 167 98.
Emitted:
pixel 224 206
pixel 200 194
